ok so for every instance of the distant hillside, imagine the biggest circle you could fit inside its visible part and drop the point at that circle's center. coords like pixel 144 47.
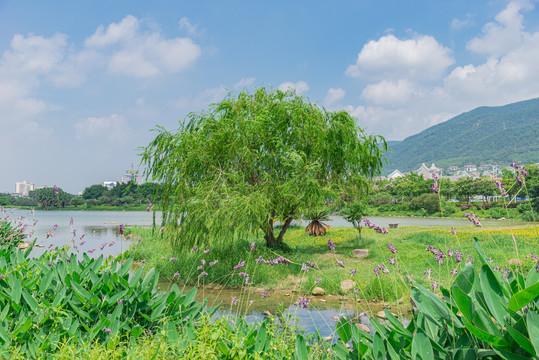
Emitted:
pixel 486 135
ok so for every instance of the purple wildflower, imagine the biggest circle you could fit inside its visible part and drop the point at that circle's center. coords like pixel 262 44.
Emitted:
pixel 203 274
pixel 176 274
pixel 142 261
pixel 251 302
pixel 71 221
pixel 239 266
pixel 68 260
pixel 392 248
pixel 107 330
pixel 55 227
pixel 55 190
pixel 353 272
pixel 304 267
pixel 312 264
pixel 121 229
pixel 234 300
pixel 331 245
pixel 206 251
pixel 200 267
pixel 194 248
pixel 82 243
pixel 203 261
pixel 454 271
pixel 120 301
pixel 317 281
pixel 473 218
pixel 90 251
pixel 500 187
pixel 212 263
pixel 340 263
pixel 172 259
pixel 2 276
pixel 265 294
pixel 149 207
pixel 392 261
pixel 453 231
pixel 252 247
pixel 303 302
pixel 376 271
pixel 435 285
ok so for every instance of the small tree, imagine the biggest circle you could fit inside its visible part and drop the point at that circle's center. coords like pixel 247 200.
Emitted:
pixel 250 161
pixel 355 211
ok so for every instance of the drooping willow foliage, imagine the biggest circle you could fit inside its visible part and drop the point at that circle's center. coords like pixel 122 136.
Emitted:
pixel 255 159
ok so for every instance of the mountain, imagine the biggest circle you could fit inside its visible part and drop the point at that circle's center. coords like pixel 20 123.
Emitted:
pixel 485 135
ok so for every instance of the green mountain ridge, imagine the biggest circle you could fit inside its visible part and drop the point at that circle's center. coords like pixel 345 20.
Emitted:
pixel 485 135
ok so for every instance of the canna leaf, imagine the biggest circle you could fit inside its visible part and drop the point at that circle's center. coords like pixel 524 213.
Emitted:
pixel 524 297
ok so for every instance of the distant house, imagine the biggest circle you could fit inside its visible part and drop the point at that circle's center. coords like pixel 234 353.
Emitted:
pixel 395 174
pixel 453 168
pixel 470 168
pixel 428 173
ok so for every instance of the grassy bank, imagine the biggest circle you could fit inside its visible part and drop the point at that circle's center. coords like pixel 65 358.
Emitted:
pixel 410 260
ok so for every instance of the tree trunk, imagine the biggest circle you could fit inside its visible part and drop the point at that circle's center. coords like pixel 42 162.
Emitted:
pixel 271 240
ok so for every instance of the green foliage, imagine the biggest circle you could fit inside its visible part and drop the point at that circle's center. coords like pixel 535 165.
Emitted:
pixel 248 161
pixel 55 298
pixel 429 202
pixel 94 191
pixel 47 197
pixel 354 213
pixel 484 135
pixel 482 315
pixel 10 234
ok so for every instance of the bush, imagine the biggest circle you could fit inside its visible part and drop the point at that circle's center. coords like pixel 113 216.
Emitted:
pixel 464 207
pixel 496 213
pixel 429 202
pixel 529 216
pixel 522 208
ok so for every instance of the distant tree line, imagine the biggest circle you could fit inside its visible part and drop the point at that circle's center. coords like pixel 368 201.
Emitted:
pixel 129 194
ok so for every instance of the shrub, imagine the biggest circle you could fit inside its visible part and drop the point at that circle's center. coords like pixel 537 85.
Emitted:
pixel 429 202
pixel 464 207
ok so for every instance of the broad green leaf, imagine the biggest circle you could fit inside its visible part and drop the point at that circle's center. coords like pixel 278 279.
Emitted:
pixel 46 282
pixel 493 294
pixel 465 279
pixel 532 320
pixel 148 282
pixel 83 294
pixel 397 325
pixel 533 276
pixel 261 338
pixel 378 347
pixel 59 297
pixel 301 348
pixel 421 346
pixel 521 339
pixel 16 289
pixel 485 336
pixel 343 329
pixel 510 355
pixel 524 297
pixel 31 301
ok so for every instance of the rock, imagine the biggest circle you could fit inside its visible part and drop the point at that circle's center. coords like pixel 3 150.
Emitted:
pixel 24 245
pixel 347 285
pixel 516 262
pixel 267 313
pixel 364 328
pixel 382 314
pixel 286 294
pixel 318 291
pixel 328 338
pixel 360 253
pixel 502 218
pixel 323 300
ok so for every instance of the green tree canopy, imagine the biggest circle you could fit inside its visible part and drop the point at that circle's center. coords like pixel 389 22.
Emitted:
pixel 94 191
pixel 46 197
pixel 249 162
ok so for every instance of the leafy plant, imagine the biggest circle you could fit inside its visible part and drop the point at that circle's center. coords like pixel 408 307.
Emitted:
pixel 54 298
pixel 317 227
pixel 482 316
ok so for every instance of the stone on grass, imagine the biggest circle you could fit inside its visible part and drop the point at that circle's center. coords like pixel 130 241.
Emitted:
pixel 360 253
pixel 318 291
pixel 364 328
pixel 347 285
pixel 516 262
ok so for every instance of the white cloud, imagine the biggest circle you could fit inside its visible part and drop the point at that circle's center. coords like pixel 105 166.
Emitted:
pixel 462 23
pixel 300 86
pixel 502 35
pixel 333 96
pixel 389 93
pixel 244 83
pixel 114 127
pixel 122 31
pixel 185 24
pixel 142 54
pixel 421 58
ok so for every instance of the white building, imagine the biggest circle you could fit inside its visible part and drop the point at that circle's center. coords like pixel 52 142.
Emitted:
pixel 428 173
pixel 395 174
pixel 109 184
pixel 131 176
pixel 23 188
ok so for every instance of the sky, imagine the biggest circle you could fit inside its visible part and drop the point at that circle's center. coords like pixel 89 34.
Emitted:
pixel 82 84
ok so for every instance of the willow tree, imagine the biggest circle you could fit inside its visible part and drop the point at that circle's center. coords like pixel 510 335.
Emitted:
pixel 257 160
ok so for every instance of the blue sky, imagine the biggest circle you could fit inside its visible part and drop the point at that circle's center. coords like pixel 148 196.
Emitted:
pixel 82 84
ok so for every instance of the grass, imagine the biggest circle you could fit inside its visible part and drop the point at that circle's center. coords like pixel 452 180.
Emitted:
pixel 411 258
